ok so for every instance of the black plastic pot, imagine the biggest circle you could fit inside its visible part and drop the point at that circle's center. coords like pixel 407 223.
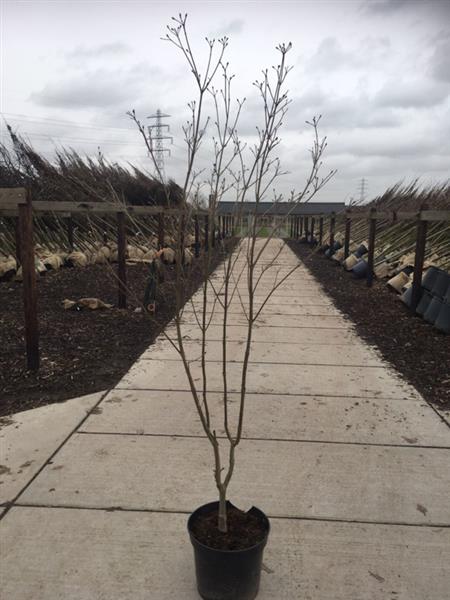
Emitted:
pixel 429 278
pixel 360 269
pixel 424 303
pixel 443 320
pixel 361 250
pixel 406 297
pixel 337 246
pixel 441 284
pixel 447 294
pixel 227 574
pixel 408 270
pixel 433 310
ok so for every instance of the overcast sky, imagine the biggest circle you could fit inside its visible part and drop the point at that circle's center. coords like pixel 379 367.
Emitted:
pixel 378 72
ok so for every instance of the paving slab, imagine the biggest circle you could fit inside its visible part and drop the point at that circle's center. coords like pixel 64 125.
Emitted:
pixel 28 438
pixel 308 380
pixel 305 335
pixel 316 310
pixel 93 555
pixel 295 321
pixel 386 484
pixel 362 421
pixel 354 354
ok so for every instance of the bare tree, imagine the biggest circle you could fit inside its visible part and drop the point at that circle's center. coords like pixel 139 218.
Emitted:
pixel 244 172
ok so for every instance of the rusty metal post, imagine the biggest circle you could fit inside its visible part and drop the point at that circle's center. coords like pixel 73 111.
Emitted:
pixel 313 222
pixel 320 231
pixel 121 267
pixel 29 284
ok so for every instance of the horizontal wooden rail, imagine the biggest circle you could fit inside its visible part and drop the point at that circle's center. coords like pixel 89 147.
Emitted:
pixel 10 198
pixel 424 215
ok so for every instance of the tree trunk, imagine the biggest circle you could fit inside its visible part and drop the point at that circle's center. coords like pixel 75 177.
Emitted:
pixel 223 527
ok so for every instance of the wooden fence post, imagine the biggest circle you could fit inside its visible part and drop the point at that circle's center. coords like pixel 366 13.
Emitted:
pixel 182 218
pixel 371 248
pixel 320 231
pixel 18 241
pixel 29 284
pixel 421 241
pixel 348 224
pixel 300 233
pixel 160 231
pixel 206 233
pixel 332 227
pixel 297 228
pixel 311 237
pixel 306 224
pixel 121 252
pixel 197 237
pixel 70 233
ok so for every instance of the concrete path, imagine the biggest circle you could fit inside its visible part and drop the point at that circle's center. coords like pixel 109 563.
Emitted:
pixel 347 459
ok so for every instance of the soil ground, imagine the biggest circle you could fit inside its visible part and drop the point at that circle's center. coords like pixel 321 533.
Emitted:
pixel 416 349
pixel 82 351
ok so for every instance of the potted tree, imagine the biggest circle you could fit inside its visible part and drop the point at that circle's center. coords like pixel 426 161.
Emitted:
pixel 228 543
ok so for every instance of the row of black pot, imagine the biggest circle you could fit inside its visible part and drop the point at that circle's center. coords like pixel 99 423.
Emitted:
pixel 359 270
pixel 434 303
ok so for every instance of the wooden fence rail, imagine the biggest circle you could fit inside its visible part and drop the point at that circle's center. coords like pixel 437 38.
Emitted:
pixel 17 203
pixel 372 216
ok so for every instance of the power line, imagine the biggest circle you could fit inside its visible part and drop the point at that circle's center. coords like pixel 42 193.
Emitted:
pixel 30 119
pixel 53 138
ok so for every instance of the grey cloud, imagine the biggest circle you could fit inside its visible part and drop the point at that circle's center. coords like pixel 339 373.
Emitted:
pixel 234 26
pixel 100 88
pixel 330 54
pixel 94 89
pixel 385 7
pixel 102 50
pixel 413 94
pixel 348 112
pixel 440 60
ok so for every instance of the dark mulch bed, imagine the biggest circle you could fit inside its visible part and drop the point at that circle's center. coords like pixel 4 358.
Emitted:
pixel 416 349
pixel 82 351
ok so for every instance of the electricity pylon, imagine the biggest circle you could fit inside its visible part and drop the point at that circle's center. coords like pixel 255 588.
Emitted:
pixel 362 190
pixel 157 137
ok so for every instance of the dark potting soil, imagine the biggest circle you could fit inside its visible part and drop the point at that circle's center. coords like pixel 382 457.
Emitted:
pixel 84 351
pixel 244 530
pixel 416 349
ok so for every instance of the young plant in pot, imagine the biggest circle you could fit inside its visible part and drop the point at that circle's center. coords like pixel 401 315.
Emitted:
pixel 228 542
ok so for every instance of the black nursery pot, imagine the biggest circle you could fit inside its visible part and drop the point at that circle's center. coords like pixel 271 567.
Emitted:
pixel 227 574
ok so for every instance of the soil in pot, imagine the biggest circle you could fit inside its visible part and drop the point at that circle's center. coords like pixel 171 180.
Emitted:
pixel 244 530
